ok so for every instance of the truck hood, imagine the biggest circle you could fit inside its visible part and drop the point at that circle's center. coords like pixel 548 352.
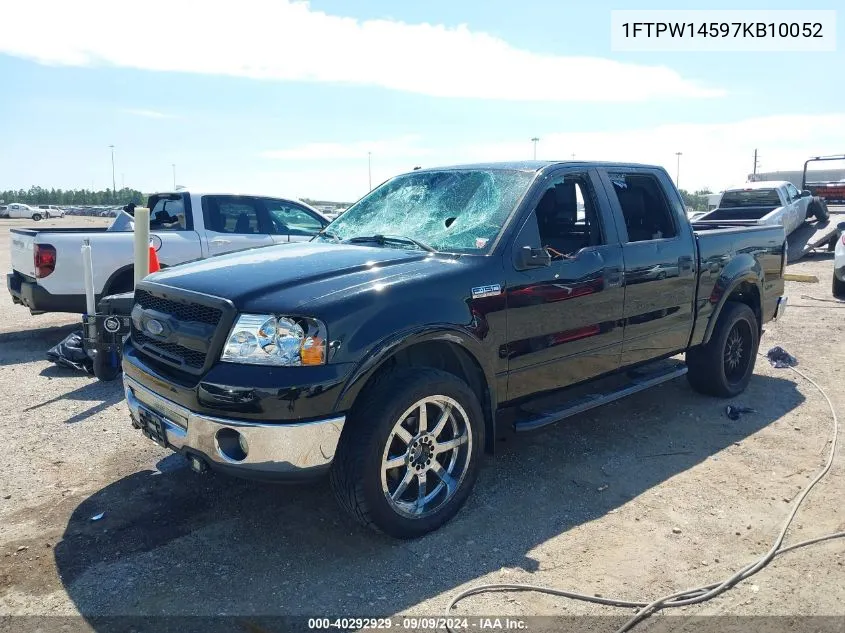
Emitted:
pixel 291 275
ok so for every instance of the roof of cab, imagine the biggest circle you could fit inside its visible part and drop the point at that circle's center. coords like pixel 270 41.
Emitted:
pixel 760 184
pixel 535 165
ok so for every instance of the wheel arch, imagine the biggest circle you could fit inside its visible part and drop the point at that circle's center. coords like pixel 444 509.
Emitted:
pixel 448 348
pixel 745 287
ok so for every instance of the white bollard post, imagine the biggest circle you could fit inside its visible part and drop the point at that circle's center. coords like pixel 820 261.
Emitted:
pixel 142 243
pixel 88 277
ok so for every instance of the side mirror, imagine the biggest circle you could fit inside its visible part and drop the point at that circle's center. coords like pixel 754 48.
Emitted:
pixel 533 258
pixel 806 193
pixel 841 227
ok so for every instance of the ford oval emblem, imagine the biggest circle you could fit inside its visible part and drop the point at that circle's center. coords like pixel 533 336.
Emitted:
pixel 154 327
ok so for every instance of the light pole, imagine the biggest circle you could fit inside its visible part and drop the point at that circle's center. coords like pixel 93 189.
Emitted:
pixel 174 175
pixel 535 140
pixel 678 170
pixel 113 181
pixel 370 169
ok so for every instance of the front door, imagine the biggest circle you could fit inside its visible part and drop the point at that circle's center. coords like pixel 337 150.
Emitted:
pixel 564 320
pixel 234 223
pixel 660 262
pixel 291 222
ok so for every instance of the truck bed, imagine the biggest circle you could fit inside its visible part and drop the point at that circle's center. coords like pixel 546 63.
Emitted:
pixel 737 213
pixel 62 230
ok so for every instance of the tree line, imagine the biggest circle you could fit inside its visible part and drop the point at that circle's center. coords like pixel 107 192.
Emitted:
pixel 72 197
pixel 697 200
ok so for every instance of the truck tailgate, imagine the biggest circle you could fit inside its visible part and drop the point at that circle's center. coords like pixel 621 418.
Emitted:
pixel 22 252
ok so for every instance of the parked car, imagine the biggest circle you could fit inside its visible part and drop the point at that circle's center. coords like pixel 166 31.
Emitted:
pixel 767 202
pixel 839 262
pixel 20 210
pixel 384 350
pixel 4 211
pixel 52 211
pixel 47 265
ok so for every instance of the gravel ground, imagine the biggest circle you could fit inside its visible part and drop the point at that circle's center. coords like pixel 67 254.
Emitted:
pixel 655 493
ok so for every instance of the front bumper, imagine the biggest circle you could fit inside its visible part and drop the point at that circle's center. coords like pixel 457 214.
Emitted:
pixel 273 451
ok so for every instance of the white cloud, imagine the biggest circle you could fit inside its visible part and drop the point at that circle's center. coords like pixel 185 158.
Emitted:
pixel 404 147
pixel 715 155
pixel 288 41
pixel 148 114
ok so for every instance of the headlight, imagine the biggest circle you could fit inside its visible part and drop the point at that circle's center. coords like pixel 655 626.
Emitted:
pixel 265 339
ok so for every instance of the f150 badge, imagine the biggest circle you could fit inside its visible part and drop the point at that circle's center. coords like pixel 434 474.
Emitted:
pixel 486 291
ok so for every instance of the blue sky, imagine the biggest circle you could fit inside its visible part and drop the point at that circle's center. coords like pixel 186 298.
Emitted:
pixel 262 97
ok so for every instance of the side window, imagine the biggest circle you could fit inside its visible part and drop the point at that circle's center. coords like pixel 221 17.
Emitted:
pixel 567 216
pixel 231 214
pixel 290 219
pixel 644 207
pixel 792 192
pixel 168 214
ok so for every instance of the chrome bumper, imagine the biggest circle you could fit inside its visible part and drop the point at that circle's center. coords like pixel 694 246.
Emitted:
pixel 273 450
pixel 780 308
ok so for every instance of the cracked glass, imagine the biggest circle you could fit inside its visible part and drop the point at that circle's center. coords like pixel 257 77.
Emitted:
pixel 450 210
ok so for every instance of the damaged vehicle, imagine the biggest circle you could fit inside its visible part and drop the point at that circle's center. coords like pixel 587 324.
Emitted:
pixel 385 350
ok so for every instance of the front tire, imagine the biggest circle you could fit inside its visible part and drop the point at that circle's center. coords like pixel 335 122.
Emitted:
pixel 723 367
pixel 818 209
pixel 36 217
pixel 409 455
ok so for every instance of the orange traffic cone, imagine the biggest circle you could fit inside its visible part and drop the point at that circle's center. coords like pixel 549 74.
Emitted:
pixel 154 265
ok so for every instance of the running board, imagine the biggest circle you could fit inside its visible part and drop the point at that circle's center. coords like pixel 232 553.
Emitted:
pixel 641 382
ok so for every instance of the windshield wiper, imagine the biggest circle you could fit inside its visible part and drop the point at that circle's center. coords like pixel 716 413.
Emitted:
pixel 383 239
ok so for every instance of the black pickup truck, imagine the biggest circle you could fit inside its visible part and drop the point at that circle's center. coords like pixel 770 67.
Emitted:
pixel 386 350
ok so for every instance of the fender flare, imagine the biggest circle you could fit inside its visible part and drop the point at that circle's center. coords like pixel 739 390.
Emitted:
pixel 385 349
pixel 749 276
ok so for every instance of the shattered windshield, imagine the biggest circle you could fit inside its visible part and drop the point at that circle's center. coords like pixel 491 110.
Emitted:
pixel 449 210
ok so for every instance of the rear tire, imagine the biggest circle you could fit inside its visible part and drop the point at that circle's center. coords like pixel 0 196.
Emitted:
pixel 392 473
pixel 125 282
pixel 723 367
pixel 838 287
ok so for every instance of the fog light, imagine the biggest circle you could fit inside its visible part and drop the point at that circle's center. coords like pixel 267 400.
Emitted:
pixel 231 445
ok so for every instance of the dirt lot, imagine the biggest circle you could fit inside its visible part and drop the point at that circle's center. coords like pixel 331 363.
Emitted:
pixel 652 494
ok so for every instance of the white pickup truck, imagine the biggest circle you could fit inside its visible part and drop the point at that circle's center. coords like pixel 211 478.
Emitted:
pixel 20 210
pixel 767 202
pixel 184 226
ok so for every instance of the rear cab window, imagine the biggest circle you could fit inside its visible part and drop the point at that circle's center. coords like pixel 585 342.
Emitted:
pixel 739 198
pixel 238 215
pixel 170 212
pixel 647 213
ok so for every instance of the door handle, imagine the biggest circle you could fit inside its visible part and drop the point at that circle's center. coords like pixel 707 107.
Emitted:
pixel 613 277
pixel 219 242
pixel 685 264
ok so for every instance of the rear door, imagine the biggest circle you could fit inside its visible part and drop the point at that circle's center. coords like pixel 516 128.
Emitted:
pixel 292 222
pixel 234 223
pixel 660 262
